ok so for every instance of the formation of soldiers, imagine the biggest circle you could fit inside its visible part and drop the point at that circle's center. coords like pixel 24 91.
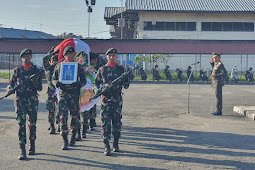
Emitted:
pixel 26 102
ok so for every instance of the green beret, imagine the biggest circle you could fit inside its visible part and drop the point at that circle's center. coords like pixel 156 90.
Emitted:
pixel 68 49
pixel 111 50
pixel 79 53
pixel 25 51
pixel 93 55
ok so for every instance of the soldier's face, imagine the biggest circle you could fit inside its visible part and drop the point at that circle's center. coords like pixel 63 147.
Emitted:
pixel 216 59
pixel 26 58
pixel 112 58
pixel 70 56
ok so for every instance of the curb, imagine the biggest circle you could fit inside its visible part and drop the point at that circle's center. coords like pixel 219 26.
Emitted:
pixel 247 111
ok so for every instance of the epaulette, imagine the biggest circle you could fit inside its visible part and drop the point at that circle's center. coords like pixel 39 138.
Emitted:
pixel 219 63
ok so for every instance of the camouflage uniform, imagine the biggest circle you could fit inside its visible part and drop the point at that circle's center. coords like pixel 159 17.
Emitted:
pixel 69 100
pixel 217 82
pixel 111 102
pixel 26 102
pixel 51 102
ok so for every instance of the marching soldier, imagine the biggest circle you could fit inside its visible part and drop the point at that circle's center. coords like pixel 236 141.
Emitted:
pixel 51 100
pixel 69 98
pixel 111 102
pixel 218 74
pixel 26 102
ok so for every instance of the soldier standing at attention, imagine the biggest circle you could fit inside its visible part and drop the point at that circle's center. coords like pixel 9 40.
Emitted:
pixel 218 74
pixel 112 101
pixel 26 102
pixel 51 101
pixel 69 98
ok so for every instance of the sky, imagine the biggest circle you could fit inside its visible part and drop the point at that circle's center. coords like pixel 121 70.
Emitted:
pixel 56 16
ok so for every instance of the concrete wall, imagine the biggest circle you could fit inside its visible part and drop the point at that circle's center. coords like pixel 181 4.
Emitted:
pixel 198 18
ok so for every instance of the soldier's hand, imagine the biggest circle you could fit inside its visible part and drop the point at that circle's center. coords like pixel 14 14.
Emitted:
pixel 213 75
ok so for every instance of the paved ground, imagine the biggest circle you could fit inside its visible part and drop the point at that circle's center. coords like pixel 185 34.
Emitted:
pixel 157 133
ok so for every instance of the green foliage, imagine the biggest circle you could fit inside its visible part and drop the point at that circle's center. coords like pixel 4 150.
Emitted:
pixel 140 59
pixel 69 35
pixel 5 75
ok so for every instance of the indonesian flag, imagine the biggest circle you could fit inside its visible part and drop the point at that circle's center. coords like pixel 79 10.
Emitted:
pixel 76 43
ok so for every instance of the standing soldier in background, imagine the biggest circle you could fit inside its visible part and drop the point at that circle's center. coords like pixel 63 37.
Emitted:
pixel 218 74
pixel 51 101
pixel 26 102
pixel 69 98
pixel 112 101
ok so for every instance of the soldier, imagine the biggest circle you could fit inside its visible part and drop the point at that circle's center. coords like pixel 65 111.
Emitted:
pixel 26 102
pixel 155 73
pixel 112 101
pixel 51 100
pixel 69 98
pixel 218 74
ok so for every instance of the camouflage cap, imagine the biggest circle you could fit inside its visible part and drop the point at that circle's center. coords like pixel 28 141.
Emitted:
pixel 79 53
pixel 111 50
pixel 68 49
pixel 25 51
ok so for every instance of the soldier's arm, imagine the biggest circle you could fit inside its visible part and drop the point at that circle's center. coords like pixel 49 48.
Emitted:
pixel 55 76
pixel 126 81
pixel 98 81
pixel 212 64
pixel 13 80
pixel 83 79
pixel 46 60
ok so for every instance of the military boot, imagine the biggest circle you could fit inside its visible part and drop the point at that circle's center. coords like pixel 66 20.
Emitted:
pixel 65 144
pixel 52 128
pixel 78 135
pixel 116 145
pixel 107 150
pixel 31 150
pixel 22 155
pixel 73 139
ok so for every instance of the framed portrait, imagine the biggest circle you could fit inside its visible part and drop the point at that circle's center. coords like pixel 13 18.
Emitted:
pixel 68 72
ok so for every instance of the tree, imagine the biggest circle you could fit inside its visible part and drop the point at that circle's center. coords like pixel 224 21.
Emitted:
pixel 140 59
pixel 164 58
pixel 69 35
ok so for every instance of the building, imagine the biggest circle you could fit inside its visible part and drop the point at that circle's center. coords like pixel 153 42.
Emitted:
pixel 185 19
pixel 221 23
pixel 10 60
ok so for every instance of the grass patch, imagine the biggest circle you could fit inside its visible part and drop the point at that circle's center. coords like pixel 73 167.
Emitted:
pixel 5 75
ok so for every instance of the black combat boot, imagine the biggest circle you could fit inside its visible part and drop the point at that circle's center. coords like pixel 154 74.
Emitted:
pixel 78 135
pixel 107 150
pixel 116 145
pixel 22 155
pixel 31 150
pixel 73 139
pixel 84 131
pixel 52 129
pixel 65 144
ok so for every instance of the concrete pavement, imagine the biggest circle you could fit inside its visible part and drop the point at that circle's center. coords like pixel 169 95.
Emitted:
pixel 157 132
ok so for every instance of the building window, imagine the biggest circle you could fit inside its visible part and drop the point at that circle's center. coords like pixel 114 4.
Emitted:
pixel 160 26
pixel 206 26
pixel 148 26
pixel 191 26
pixel 170 26
pixel 228 26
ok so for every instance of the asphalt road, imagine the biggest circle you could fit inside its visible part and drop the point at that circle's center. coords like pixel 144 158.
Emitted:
pixel 157 133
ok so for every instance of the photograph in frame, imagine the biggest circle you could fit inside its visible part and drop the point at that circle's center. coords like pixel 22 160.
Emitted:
pixel 68 72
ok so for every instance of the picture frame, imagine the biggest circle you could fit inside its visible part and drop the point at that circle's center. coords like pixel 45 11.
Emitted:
pixel 68 72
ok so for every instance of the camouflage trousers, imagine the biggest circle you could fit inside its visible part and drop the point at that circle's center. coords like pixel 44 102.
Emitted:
pixel 66 103
pixel 52 107
pixel 86 115
pixel 26 106
pixel 111 114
